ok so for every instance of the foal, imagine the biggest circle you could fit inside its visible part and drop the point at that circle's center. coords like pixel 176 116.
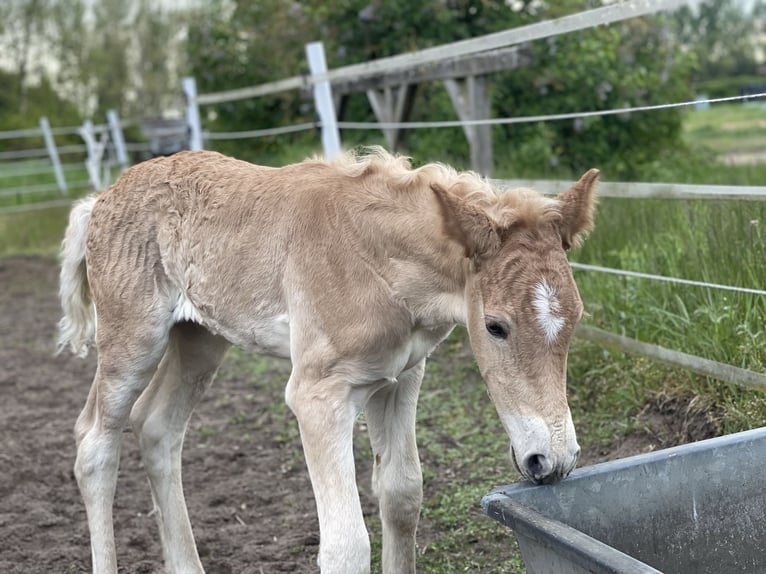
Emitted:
pixel 355 270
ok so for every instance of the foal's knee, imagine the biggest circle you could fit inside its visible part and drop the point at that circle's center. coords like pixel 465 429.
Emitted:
pixel 400 498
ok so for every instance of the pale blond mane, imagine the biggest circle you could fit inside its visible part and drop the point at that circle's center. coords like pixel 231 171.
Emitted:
pixel 521 205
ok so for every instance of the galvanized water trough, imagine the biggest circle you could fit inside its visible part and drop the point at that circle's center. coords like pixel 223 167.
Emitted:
pixel 693 509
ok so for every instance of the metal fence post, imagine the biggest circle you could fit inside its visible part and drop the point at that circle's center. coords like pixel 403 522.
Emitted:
pixel 192 113
pixel 323 100
pixel 53 153
pixel 117 138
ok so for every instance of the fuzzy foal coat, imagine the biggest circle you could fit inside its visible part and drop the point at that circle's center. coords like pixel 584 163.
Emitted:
pixel 355 270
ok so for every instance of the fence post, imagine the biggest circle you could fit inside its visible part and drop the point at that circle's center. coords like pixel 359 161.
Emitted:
pixel 53 153
pixel 471 102
pixel 323 100
pixel 192 113
pixel 95 151
pixel 117 138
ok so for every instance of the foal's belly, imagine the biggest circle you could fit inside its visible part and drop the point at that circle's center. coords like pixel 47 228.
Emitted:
pixel 266 331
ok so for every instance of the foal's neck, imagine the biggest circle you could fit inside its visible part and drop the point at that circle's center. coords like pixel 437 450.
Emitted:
pixel 402 236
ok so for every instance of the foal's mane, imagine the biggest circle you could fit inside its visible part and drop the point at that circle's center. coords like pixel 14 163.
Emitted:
pixel 521 205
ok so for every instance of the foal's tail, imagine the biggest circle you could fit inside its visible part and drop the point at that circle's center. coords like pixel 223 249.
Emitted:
pixel 77 327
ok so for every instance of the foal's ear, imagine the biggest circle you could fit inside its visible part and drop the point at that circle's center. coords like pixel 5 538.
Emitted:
pixel 468 224
pixel 577 206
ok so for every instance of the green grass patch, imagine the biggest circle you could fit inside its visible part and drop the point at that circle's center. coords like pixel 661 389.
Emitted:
pixel 32 181
pixel 27 232
pixel 716 242
pixel 727 128
pixel 34 230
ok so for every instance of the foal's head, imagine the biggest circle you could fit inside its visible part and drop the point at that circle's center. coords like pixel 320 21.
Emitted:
pixel 522 308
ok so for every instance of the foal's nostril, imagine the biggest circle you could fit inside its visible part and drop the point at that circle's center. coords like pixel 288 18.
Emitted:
pixel 536 466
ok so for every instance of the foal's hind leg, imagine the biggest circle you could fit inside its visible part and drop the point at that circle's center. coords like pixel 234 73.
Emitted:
pixel 159 419
pixel 397 479
pixel 129 352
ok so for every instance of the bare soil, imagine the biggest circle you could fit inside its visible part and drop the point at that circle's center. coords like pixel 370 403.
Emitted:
pixel 249 496
pixel 248 492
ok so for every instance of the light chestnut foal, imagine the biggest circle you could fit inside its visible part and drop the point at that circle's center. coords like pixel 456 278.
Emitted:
pixel 355 270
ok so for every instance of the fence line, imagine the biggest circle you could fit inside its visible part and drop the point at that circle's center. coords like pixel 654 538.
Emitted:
pixel 41 204
pixel 642 190
pixel 464 123
pixel 22 133
pixel 700 365
pixel 678 280
pixel 538 31
pixel 260 133
pixel 40 152
pixel 37 188
pixel 541 118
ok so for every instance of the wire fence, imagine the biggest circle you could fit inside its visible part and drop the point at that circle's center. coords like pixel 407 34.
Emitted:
pixel 542 118
pixel 32 176
pixel 640 190
pixel 581 21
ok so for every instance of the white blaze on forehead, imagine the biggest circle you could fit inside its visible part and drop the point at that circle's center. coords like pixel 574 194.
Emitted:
pixel 547 307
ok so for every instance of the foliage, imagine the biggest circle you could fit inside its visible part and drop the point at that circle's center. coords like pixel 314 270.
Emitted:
pixel 101 55
pixel 240 44
pixel 633 64
pixel 722 35
pixel 624 65
pixel 40 100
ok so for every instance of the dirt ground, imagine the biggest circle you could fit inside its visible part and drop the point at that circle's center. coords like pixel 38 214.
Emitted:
pixel 248 493
pixel 249 499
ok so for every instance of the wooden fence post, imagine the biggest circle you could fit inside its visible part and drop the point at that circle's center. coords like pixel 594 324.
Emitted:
pixel 53 153
pixel 323 101
pixel 117 138
pixel 471 102
pixel 192 114
pixel 95 153
pixel 392 105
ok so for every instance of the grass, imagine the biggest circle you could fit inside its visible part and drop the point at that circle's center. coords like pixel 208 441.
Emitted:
pixel 728 129
pixel 18 180
pixel 36 231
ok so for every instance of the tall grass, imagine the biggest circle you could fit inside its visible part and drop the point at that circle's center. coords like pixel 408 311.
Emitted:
pixel 716 242
pixel 720 242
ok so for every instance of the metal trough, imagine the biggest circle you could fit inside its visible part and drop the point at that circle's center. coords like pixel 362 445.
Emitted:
pixel 694 509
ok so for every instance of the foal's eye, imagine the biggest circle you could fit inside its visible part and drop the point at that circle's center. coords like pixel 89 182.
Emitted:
pixel 497 330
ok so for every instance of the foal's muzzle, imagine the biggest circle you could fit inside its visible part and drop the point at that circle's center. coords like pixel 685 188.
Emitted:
pixel 539 469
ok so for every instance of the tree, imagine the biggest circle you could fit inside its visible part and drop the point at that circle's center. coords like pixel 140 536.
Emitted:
pixel 155 59
pixel 237 44
pixel 23 23
pixel 722 34
pixel 69 47
pixel 635 63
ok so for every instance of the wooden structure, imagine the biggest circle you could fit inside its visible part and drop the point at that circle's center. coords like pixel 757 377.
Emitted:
pixel 391 95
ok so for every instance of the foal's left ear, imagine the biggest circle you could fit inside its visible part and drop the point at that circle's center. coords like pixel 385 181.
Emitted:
pixel 576 206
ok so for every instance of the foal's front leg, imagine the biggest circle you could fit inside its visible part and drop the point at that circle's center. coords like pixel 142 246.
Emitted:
pixel 396 478
pixel 326 416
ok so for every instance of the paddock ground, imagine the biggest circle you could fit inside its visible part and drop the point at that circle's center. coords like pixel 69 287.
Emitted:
pixel 247 489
